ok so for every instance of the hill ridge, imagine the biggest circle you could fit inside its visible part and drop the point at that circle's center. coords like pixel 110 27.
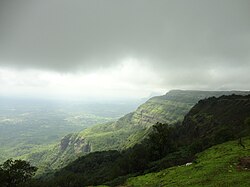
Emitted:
pixel 129 129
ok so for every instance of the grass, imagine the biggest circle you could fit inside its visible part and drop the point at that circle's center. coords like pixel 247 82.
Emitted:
pixel 214 167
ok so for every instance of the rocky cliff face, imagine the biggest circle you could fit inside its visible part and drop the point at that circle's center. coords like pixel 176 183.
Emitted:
pixel 77 144
pixel 172 106
pixel 161 110
pixel 169 108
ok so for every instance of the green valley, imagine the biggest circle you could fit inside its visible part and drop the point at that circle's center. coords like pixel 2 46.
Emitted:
pixel 30 128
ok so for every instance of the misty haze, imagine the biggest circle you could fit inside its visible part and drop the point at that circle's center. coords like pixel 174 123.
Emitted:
pixel 124 93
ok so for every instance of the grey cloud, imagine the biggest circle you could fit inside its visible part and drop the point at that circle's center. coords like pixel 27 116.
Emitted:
pixel 181 36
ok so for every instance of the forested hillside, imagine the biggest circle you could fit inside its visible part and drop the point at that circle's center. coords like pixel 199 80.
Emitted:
pixel 126 131
pixel 166 145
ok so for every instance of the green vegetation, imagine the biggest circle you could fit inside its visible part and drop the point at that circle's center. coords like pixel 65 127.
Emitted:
pixel 132 128
pixel 135 145
pixel 23 132
pixel 216 166
pixel 166 145
pixel 129 129
pixel 15 173
pixel 31 129
pixel 159 156
pixel 119 135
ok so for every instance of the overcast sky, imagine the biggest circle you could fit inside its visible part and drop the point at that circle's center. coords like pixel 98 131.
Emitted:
pixel 122 48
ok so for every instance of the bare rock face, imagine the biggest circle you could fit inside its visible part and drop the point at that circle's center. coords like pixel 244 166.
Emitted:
pixel 81 145
pixel 75 143
pixel 65 141
pixel 87 148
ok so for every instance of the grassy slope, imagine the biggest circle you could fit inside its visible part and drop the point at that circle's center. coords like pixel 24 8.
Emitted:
pixel 130 129
pixel 125 132
pixel 218 120
pixel 215 166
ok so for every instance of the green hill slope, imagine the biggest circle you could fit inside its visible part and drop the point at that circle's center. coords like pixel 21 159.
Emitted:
pixel 216 166
pixel 129 129
pixel 210 122
pixel 217 120
pixel 126 131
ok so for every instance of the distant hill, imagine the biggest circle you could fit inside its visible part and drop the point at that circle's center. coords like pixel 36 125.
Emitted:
pixel 172 106
pixel 126 131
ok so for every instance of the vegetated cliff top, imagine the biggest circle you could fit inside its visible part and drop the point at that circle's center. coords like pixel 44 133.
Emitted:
pixel 196 95
pixel 218 119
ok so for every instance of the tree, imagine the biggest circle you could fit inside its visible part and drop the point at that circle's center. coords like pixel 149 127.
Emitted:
pixel 15 172
pixel 161 140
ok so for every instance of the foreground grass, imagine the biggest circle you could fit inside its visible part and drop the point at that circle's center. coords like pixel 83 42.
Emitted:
pixel 217 166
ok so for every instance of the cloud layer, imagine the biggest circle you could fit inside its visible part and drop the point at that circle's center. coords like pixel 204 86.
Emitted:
pixel 189 44
pixel 126 80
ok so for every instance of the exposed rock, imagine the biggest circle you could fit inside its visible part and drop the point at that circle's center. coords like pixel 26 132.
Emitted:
pixel 75 143
pixel 81 145
pixel 244 163
pixel 86 148
pixel 188 164
pixel 65 142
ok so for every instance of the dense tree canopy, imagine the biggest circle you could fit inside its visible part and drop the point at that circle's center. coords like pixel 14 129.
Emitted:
pixel 15 172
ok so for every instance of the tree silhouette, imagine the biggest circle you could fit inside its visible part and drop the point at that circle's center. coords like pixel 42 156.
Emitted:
pixel 15 172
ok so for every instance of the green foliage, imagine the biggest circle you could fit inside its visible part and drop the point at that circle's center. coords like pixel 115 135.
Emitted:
pixel 217 166
pixel 27 131
pixel 132 128
pixel 161 140
pixel 31 129
pixel 216 120
pixel 167 145
pixel 94 168
pixel 100 167
pixel 209 123
pixel 15 172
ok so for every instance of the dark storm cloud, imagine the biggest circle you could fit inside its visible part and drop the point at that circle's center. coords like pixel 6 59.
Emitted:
pixel 185 36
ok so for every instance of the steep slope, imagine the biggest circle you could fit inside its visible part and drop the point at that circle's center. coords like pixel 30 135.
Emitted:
pixel 217 119
pixel 210 122
pixel 168 108
pixel 128 130
pixel 220 165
